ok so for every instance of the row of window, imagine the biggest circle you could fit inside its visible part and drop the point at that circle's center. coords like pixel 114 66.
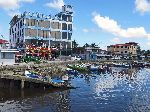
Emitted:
pixel 123 47
pixel 47 33
pixel 47 24
pixel 44 24
pixel 16 27
pixel 14 36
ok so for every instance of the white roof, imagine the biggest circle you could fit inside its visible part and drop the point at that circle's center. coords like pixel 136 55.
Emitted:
pixel 9 50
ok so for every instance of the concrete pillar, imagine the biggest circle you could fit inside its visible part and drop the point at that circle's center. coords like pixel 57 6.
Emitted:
pixel 22 84
pixel 12 84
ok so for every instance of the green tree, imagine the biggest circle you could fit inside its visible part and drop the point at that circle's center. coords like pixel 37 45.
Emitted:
pixel 138 50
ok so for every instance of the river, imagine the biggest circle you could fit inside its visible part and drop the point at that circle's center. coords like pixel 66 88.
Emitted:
pixel 124 90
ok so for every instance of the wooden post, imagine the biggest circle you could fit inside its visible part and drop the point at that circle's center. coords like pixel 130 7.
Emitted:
pixel 22 84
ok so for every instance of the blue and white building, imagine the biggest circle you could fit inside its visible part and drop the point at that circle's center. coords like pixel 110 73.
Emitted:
pixel 42 30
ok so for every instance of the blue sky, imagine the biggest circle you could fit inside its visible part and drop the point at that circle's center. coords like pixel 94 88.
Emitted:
pixel 103 22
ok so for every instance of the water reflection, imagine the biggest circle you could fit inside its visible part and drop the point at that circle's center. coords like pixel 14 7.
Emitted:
pixel 117 78
pixel 122 90
pixel 37 100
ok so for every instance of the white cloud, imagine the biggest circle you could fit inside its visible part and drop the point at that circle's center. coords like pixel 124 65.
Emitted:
pixel 12 7
pixel 56 4
pixel 115 40
pixel 148 43
pixel 74 28
pixel 86 30
pixel 142 6
pixel 28 1
pixel 111 26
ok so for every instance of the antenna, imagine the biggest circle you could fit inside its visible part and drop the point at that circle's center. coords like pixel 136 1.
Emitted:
pixel 2 36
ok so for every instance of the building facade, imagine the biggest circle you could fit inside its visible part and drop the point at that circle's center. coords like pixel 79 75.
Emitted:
pixel 123 49
pixel 41 30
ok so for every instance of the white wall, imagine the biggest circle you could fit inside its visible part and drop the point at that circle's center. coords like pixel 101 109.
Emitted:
pixel 8 60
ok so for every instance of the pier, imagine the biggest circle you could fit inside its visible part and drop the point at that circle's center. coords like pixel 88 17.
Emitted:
pixel 13 76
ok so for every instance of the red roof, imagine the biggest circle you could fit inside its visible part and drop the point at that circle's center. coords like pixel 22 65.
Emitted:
pixel 3 41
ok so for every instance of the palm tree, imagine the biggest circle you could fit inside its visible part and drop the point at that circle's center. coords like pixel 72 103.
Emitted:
pixel 86 45
pixel 74 44
pixel 93 45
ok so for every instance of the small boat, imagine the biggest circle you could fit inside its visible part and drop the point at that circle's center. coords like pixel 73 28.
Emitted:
pixel 121 65
pixel 93 68
pixel 58 83
pixel 31 75
pixel 81 68
pixel 71 71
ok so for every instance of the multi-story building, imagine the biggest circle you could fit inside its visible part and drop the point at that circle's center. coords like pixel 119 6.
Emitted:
pixel 41 30
pixel 123 49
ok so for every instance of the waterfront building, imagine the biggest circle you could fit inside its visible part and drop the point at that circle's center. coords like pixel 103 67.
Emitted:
pixel 36 29
pixel 91 53
pixel 7 56
pixel 123 49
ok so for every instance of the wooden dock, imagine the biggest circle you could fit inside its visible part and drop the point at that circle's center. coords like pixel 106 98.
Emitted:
pixel 22 82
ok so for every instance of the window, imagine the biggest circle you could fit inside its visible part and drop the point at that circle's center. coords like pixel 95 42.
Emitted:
pixel 21 24
pixel 70 18
pixel 64 26
pixel 3 55
pixel 117 46
pixel 55 25
pixel 121 46
pixel 64 35
pixel 125 46
pixel 30 32
pixel 10 31
pixel 56 34
pixel 69 36
pixel 64 17
pixel 125 51
pixel 70 27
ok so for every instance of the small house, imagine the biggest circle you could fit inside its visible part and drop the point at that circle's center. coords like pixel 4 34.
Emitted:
pixel 7 56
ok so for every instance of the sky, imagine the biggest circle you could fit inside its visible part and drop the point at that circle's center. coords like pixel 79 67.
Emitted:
pixel 104 22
